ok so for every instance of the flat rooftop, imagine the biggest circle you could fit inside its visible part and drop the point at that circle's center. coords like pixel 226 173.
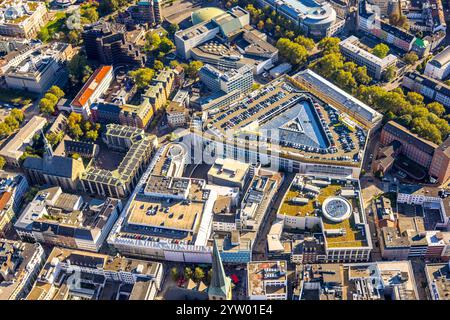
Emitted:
pixel 439 275
pixel 229 169
pixel 305 198
pixel 260 275
pixel 178 214
pixel 296 123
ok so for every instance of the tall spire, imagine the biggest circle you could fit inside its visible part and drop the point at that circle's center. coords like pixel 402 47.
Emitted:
pixel 220 287
pixel 47 147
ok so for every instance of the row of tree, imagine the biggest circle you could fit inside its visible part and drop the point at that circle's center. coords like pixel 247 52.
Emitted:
pixel 408 109
pixel 197 275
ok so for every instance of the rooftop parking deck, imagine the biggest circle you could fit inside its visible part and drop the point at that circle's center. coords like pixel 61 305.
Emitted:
pixel 293 122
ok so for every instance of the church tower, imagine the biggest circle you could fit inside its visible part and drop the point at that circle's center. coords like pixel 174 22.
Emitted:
pixel 220 287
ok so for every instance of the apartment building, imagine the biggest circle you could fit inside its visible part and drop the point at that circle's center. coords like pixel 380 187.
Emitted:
pixel 106 42
pixel 428 87
pixel 12 190
pixel 20 265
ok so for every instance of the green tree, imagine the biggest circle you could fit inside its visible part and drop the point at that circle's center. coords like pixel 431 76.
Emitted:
pixel 329 45
pixel 415 98
pixel 192 69
pixel 172 28
pixel 380 50
pixel 260 25
pixel 92 135
pixel 18 115
pixel 74 37
pixel 90 14
pixel 55 90
pixel 390 73
pixel 361 75
pixel 158 65
pixel 54 138
pixel 46 106
pixel 346 80
pixel 2 162
pixel 12 122
pixel 153 41
pixel 411 58
pixel 142 77
pixel 188 273
pixel 199 274
pixel 166 45
pixel 174 273
pixel 291 51
pixel 5 130
pixel 436 108
pixel 328 64
pixel 51 97
pixel 43 35
pixel 79 70
pixel 305 42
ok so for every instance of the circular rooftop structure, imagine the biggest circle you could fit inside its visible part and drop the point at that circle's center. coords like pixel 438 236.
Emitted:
pixel 205 14
pixel 336 209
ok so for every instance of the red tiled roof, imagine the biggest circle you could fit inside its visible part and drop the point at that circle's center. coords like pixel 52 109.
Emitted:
pixel 90 86
pixel 4 198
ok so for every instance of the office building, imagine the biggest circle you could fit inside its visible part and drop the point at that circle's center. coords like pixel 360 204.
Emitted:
pixel 92 90
pixel 62 219
pixel 334 207
pixel 20 264
pixel 229 173
pixel 106 42
pixel 40 69
pixel 438 278
pixel 330 93
pixel 375 66
pixel 316 19
pixel 168 218
pixel 79 275
pixel 439 67
pixel 434 159
pixel 22 19
pixel 15 147
pixel 382 280
pixel 119 183
pixel 147 11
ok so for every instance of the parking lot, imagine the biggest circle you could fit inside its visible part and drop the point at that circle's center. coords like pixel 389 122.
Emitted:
pixel 286 117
